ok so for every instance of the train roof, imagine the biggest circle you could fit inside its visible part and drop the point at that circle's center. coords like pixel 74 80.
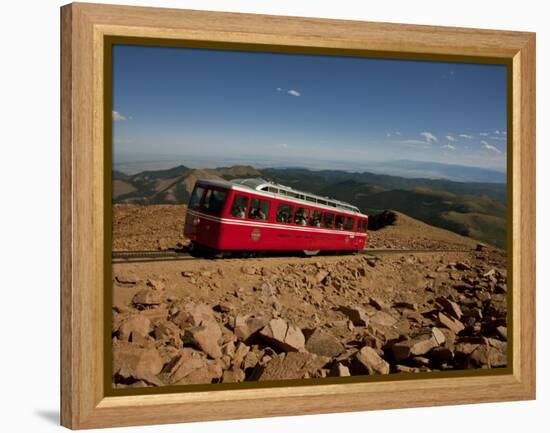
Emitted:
pixel 275 190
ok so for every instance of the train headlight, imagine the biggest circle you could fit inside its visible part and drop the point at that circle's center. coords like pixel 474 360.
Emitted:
pixel 196 221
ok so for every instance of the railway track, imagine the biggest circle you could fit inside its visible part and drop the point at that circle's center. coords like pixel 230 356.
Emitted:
pixel 173 255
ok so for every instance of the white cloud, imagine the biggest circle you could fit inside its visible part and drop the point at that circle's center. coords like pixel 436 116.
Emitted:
pixel 449 146
pixel 489 147
pixel 497 132
pixel 279 89
pixel 450 138
pixel 413 141
pixel 397 133
pixel 283 145
pixel 484 134
pixel 428 136
pixel 293 92
pixel 389 134
pixel 117 117
pixel 465 136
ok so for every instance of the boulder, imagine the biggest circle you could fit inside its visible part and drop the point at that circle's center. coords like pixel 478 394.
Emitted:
pixel 134 329
pixel 324 343
pixel 131 360
pixel 233 375
pixel 246 326
pixel 379 304
pixel 382 318
pixel 147 297
pixel 419 345
pixel 357 315
pixel 191 314
pixel 292 365
pixel 191 367
pixel 367 361
pixel 284 335
pixel 339 370
pixel 487 356
pixel 450 307
pixel 450 323
pixel 167 331
pixel 206 337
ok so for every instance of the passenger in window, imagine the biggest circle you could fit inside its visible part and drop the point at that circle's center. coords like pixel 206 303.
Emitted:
pixel 260 214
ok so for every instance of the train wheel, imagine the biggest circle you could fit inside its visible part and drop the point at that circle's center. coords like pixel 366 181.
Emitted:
pixel 194 250
pixel 311 253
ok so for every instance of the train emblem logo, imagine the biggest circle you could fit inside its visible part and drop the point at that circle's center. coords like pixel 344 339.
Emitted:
pixel 255 234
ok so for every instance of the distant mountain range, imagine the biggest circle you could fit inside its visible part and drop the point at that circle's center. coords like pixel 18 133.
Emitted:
pixel 436 170
pixel 474 209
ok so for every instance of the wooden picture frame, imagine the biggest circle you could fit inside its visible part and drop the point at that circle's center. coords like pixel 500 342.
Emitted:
pixel 85 402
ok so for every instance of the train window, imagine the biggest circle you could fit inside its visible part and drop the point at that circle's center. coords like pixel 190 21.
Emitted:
pixel 315 218
pixel 339 222
pixel 328 219
pixel 238 209
pixel 259 209
pixel 214 200
pixel 195 200
pixel 300 217
pixel 348 225
pixel 284 213
pixel 365 225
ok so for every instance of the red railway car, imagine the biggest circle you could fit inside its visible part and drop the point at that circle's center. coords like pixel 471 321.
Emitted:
pixel 255 215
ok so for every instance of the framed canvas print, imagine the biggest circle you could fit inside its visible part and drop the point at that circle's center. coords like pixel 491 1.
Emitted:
pixel 269 216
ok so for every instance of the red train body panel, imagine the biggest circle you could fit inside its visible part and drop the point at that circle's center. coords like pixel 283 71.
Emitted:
pixel 231 216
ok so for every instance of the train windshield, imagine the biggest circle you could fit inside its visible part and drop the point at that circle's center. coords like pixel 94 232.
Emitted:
pixel 214 200
pixel 196 196
pixel 349 223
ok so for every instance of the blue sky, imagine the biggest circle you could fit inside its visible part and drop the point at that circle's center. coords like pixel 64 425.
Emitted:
pixel 209 103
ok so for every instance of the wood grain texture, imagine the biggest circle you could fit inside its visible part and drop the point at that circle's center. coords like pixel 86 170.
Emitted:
pixel 84 26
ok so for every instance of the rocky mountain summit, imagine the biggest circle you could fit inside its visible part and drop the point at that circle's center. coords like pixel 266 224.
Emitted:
pixel 225 321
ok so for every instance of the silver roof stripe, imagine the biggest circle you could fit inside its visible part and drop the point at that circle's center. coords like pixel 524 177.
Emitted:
pixel 305 203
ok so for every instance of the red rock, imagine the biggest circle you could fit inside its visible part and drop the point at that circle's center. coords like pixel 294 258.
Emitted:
pixel 147 297
pixel 367 361
pixel 419 345
pixel 284 335
pixel 233 375
pixel 324 344
pixel 191 314
pixel 379 304
pixel 382 318
pixel 240 353
pixel 135 329
pixel 357 315
pixel 488 356
pixel 206 337
pixel 169 332
pixel 246 326
pixel 292 365
pixel 450 307
pixel 450 323
pixel 339 370
pixel 132 360
pixel 190 366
